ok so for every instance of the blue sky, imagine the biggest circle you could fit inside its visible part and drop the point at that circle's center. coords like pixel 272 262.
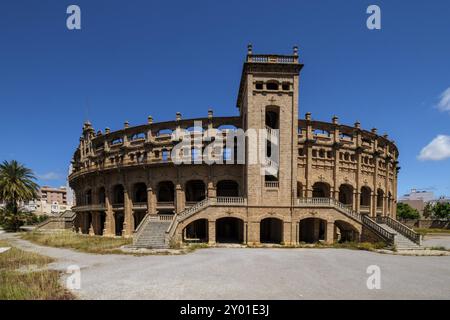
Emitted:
pixel 132 59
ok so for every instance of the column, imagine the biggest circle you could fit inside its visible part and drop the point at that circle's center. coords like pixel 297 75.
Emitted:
pixel 91 217
pixel 179 199
pixel 356 200
pixel 128 224
pixel 211 190
pixel 373 204
pixel 211 232
pixel 329 238
pixel 109 215
pixel 151 201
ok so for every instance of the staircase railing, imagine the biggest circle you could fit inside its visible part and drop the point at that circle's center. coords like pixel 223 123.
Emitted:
pixel 401 228
pixel 330 202
pixel 389 237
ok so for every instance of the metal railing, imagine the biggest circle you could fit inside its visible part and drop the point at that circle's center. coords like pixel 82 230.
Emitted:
pixel 382 232
pixel 401 228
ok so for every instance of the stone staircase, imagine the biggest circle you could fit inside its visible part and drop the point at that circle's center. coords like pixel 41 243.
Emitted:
pixel 152 234
pixel 400 241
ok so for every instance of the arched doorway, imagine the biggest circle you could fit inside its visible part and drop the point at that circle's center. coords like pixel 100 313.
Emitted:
pixel 271 230
pixel 101 217
pixel 118 222
pixel 196 231
pixel 346 194
pixel 166 191
pixel 118 194
pixel 140 193
pixel 227 188
pixel 346 232
pixel 101 195
pixel 365 199
pixel 229 230
pixel 380 198
pixel 195 191
pixel 321 190
pixel 312 230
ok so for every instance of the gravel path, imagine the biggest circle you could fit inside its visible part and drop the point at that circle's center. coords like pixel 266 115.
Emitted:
pixel 240 273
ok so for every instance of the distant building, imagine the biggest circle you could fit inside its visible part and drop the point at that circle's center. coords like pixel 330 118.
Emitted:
pixel 415 194
pixel 51 201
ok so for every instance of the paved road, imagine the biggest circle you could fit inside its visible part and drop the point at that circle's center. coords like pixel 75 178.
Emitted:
pixel 442 240
pixel 239 273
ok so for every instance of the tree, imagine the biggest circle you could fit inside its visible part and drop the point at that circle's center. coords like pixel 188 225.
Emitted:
pixel 17 185
pixel 441 210
pixel 428 210
pixel 405 211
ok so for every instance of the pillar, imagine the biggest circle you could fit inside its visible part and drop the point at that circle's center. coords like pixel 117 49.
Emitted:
pixel 253 232
pixel 128 224
pixel 373 204
pixel 356 200
pixel 179 199
pixel 211 190
pixel 211 232
pixel 151 201
pixel 109 229
pixel 329 237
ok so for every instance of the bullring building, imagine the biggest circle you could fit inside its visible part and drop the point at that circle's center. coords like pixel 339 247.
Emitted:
pixel 331 182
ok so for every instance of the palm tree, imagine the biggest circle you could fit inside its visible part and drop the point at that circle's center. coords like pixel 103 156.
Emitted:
pixel 17 185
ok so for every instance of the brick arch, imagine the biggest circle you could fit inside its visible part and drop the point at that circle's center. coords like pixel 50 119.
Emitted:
pixel 276 216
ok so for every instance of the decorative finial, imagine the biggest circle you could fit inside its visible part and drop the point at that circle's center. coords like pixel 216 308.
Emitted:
pixel 249 49
pixel 357 124
pixel 385 135
pixel 335 119
pixel 210 113
pixel 126 124
pixel 149 119
pixel 296 51
pixel 178 116
pixel 107 130
pixel 374 130
pixel 308 116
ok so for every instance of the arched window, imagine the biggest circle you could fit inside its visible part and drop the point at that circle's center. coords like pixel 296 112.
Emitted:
pixel 166 191
pixel 227 188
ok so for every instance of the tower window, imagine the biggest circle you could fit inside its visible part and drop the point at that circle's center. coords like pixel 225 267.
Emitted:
pixel 272 86
pixel 259 86
pixel 285 86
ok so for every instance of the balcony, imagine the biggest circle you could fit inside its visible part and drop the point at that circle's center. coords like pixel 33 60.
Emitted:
pixel 89 207
pixel 165 205
pixel 140 206
pixel 272 184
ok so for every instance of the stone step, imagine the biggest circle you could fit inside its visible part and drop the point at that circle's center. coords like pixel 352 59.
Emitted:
pixel 153 235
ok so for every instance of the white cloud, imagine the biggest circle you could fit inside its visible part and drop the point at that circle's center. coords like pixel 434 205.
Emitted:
pixel 437 149
pixel 50 176
pixel 444 100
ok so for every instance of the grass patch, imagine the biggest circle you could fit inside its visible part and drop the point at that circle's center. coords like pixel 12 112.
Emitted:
pixel 194 246
pixel 424 231
pixel 83 243
pixel 28 285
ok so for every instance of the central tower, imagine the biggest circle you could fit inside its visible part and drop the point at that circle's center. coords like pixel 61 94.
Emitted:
pixel 268 100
